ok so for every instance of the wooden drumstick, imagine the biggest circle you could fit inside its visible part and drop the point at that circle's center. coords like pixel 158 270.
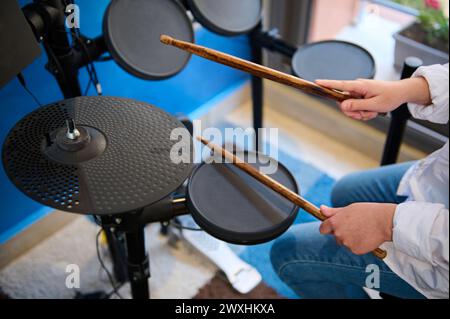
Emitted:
pixel 256 69
pixel 275 186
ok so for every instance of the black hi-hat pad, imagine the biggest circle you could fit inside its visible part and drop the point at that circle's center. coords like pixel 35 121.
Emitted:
pixel 95 155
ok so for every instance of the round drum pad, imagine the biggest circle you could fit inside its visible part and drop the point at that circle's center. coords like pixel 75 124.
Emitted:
pixel 230 17
pixel 132 30
pixel 233 206
pixel 335 60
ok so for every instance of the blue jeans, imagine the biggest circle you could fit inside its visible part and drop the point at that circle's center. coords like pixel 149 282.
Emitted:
pixel 315 266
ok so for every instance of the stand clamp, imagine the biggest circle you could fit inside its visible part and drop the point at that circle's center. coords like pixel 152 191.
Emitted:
pixel 140 271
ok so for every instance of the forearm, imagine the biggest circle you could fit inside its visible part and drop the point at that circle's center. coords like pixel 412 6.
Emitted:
pixel 415 90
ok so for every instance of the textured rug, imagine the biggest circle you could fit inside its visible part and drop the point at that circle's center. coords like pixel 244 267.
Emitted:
pixel 218 288
pixel 41 273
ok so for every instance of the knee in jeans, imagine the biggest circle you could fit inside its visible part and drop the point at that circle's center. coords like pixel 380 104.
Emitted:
pixel 280 251
pixel 341 191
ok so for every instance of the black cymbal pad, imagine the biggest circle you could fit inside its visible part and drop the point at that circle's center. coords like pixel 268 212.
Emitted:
pixel 119 162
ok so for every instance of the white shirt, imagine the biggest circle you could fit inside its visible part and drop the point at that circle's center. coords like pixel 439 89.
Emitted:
pixel 419 252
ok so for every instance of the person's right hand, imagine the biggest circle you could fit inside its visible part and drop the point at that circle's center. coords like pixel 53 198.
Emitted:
pixel 375 97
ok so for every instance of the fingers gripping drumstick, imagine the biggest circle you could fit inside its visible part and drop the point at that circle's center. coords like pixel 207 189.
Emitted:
pixel 275 186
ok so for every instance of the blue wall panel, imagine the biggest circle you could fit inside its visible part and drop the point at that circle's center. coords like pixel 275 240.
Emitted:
pixel 196 86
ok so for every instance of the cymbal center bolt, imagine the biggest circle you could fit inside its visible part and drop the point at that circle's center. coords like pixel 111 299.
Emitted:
pixel 72 131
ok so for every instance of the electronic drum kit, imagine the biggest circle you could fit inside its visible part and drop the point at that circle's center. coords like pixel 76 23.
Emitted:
pixel 110 157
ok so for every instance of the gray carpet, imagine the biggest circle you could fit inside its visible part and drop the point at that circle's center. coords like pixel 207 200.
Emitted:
pixel 41 272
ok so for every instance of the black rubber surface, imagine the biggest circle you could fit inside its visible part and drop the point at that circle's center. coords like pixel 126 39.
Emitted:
pixel 234 207
pixel 132 30
pixel 335 60
pixel 133 171
pixel 230 17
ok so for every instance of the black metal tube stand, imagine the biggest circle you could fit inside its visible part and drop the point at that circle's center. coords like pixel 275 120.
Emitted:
pixel 116 246
pixel 257 88
pixel 138 264
pixel 131 255
pixel 59 51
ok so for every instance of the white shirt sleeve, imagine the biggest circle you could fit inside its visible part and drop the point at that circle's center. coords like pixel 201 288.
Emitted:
pixel 438 82
pixel 421 230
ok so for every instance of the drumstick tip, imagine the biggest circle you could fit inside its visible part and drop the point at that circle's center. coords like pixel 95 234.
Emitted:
pixel 165 39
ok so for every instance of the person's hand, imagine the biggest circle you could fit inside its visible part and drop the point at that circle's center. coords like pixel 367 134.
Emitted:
pixel 361 227
pixel 375 97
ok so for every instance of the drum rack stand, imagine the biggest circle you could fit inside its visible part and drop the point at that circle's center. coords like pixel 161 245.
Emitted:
pixel 137 261
pixel 130 227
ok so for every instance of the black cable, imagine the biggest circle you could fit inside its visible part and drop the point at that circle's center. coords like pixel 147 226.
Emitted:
pixel 181 227
pixel 76 38
pixel 22 81
pixel 92 72
pixel 105 58
pixel 88 86
pixel 102 264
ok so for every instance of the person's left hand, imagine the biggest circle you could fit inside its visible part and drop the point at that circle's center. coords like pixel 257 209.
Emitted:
pixel 361 227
